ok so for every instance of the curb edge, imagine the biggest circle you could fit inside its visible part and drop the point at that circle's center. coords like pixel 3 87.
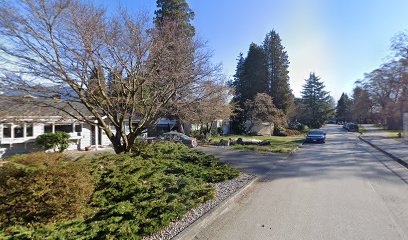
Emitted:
pixel 191 231
pixel 395 158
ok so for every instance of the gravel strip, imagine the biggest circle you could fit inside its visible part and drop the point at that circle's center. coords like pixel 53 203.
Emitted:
pixel 224 190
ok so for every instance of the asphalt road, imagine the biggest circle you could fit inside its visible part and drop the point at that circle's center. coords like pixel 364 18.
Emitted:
pixel 343 189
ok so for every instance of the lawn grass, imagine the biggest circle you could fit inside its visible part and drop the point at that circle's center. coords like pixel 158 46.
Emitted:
pixel 278 144
pixel 361 129
pixel 393 133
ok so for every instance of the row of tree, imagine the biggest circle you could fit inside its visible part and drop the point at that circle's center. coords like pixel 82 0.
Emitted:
pixel 382 96
pixel 264 73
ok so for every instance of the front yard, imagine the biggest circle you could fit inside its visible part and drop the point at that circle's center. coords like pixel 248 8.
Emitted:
pixel 277 144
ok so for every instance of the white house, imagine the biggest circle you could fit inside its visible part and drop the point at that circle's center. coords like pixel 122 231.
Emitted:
pixel 21 124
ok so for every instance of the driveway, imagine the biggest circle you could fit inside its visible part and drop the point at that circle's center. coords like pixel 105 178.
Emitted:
pixel 257 163
pixel 343 189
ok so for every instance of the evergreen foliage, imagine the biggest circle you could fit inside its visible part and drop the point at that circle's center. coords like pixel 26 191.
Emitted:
pixel 316 103
pixel 57 140
pixel 107 196
pixel 42 188
pixel 278 74
pixel 264 70
pixel 250 79
pixel 238 119
pixel 343 108
pixel 255 74
pixel 175 11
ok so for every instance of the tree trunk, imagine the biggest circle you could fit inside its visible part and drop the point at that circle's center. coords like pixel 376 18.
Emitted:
pixel 180 124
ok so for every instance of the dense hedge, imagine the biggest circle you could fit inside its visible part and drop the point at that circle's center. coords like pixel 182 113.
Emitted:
pixel 133 194
pixel 41 188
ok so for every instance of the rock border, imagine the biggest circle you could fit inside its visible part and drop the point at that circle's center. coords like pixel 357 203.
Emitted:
pixel 195 217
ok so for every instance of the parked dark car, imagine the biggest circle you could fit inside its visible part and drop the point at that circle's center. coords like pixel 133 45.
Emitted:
pixel 316 136
pixel 352 127
pixel 179 137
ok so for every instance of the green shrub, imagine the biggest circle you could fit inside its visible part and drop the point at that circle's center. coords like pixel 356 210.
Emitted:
pixel 41 188
pixel 134 195
pixel 280 131
pixel 57 140
pixel 199 165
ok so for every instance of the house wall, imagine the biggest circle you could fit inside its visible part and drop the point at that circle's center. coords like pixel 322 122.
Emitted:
pixel 260 128
pixel 86 136
pixel 79 140
pixel 105 139
pixel 223 124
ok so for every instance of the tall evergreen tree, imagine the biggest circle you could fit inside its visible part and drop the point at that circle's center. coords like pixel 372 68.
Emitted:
pixel 343 108
pixel 278 74
pixel 255 74
pixel 316 102
pixel 175 11
pixel 237 82
pixel 238 118
pixel 249 80
pixel 177 14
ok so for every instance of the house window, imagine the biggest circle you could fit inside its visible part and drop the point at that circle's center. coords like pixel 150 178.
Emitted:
pixel 7 130
pixel 18 131
pixel 64 128
pixel 29 130
pixel 78 127
pixel 48 128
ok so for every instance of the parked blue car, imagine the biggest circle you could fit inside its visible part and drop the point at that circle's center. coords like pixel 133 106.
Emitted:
pixel 316 136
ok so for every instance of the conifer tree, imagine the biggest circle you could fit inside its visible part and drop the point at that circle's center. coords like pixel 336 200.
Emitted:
pixel 249 80
pixel 175 10
pixel 238 118
pixel 177 14
pixel 255 74
pixel 343 109
pixel 278 74
pixel 316 102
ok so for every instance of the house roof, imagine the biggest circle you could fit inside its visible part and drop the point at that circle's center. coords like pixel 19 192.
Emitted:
pixel 26 107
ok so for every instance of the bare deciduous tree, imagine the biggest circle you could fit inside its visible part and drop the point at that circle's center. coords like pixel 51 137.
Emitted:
pixel 263 109
pixel 388 89
pixel 105 69
pixel 210 105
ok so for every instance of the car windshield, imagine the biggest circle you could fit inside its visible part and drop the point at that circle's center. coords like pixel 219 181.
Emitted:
pixel 316 133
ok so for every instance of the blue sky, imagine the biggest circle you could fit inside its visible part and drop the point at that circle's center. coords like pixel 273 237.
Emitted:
pixel 339 40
